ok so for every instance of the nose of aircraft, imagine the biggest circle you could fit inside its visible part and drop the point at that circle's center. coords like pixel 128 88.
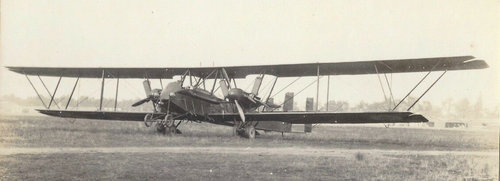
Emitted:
pixel 235 94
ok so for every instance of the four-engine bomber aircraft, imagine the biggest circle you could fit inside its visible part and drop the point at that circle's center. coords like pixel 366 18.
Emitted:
pixel 242 110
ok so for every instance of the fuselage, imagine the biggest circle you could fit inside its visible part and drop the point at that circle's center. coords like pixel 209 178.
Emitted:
pixel 195 103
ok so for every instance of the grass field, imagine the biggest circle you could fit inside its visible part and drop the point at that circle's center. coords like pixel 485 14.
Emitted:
pixel 43 132
pixel 167 166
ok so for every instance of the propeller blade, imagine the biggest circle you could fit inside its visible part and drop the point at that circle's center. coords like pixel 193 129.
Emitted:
pixel 224 88
pixel 240 110
pixel 138 103
pixel 256 85
pixel 272 105
pixel 147 88
pixel 224 73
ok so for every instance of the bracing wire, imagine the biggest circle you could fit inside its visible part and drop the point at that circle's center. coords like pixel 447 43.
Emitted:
pixel 285 87
pixel 299 92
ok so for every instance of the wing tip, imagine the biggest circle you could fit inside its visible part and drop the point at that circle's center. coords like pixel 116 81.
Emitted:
pixel 417 118
pixel 46 112
pixel 15 69
pixel 475 64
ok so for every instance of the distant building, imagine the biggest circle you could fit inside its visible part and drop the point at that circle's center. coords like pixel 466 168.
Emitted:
pixel 456 125
pixel 309 107
pixel 288 104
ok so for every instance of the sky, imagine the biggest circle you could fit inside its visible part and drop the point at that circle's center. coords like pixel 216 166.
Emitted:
pixel 125 33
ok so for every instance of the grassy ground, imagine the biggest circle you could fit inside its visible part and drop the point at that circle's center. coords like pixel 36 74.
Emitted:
pixel 49 132
pixel 54 132
pixel 168 166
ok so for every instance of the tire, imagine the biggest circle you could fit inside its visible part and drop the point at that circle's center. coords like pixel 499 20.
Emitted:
pixel 250 132
pixel 147 120
pixel 169 122
pixel 171 130
pixel 160 127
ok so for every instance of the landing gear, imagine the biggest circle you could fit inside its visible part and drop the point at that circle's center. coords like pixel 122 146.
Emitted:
pixel 245 130
pixel 250 131
pixel 161 127
pixel 168 126
pixel 149 120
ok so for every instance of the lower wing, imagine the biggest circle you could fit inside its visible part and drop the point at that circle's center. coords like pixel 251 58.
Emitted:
pixel 327 117
pixel 291 117
pixel 105 115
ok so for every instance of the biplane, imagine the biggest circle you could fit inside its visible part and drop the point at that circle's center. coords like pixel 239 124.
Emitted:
pixel 191 99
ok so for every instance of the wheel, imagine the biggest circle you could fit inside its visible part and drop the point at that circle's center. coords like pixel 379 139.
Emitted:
pixel 170 125
pixel 250 131
pixel 148 120
pixel 161 128
pixel 169 122
pixel 171 130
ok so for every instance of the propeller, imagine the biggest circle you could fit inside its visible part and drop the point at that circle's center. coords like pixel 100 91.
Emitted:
pixel 237 95
pixel 225 91
pixel 256 85
pixel 142 101
pixel 149 94
pixel 271 105
pixel 240 110
pixel 147 88
pixel 224 88
pixel 255 90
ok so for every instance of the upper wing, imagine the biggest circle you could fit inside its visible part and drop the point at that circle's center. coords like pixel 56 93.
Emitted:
pixel 282 70
pixel 291 117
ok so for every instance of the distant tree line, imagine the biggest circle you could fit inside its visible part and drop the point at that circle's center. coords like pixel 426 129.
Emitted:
pixel 82 102
pixel 462 109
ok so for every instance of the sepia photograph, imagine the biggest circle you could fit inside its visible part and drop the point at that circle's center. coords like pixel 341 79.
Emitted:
pixel 249 90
